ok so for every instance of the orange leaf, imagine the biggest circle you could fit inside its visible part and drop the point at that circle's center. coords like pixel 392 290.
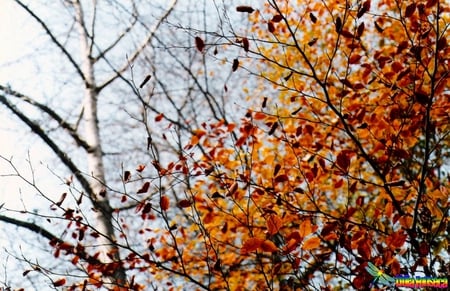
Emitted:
pixel 305 228
pixel 311 243
pixel 251 244
pixel 274 223
pixel 269 246
pixel 140 168
pixel 59 282
pixel 144 188
pixel 259 115
pixel 164 203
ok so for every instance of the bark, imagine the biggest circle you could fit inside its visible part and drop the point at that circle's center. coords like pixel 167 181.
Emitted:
pixel 103 216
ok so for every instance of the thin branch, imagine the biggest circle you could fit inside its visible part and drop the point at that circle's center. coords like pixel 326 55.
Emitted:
pixel 53 38
pixel 138 51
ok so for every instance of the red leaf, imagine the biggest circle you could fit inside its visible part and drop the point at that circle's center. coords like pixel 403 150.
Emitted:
pixel 199 43
pixel 164 203
pixel 59 282
pixel 277 18
pixel 245 44
pixel 281 178
pixel 159 117
pixel 140 168
pixel 235 65
pixel 184 203
pixel 243 8
pixel 144 188
pixel 410 10
pixel 343 161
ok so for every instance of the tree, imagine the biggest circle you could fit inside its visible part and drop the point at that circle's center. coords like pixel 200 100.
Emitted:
pixel 339 160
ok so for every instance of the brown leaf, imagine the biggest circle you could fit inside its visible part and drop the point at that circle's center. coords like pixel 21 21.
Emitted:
pixel 264 102
pixel 270 26
pixel 199 43
pixel 312 17
pixel 235 65
pixel 147 78
pixel 360 29
pixel 126 176
pixel 244 8
pixel 144 188
pixel 378 27
pixel 338 24
pixel 364 8
pixel 281 178
pixel 273 128
pixel 409 11
pixel 245 44
pixel 251 245
pixel 277 18
pixel 312 41
pixel 184 203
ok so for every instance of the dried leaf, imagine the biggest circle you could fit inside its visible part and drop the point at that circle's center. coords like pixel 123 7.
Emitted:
pixel 312 17
pixel 140 168
pixel 164 203
pixel 273 128
pixel 251 245
pixel 199 43
pixel 271 26
pixel 59 282
pixel 264 102
pixel 245 44
pixel 126 176
pixel 61 200
pixel 409 11
pixel 364 8
pixel 274 223
pixel 281 178
pixel 144 188
pixel 235 65
pixel 244 8
pixel 277 18
pixel 184 203
pixel 338 24
pixel 343 161
pixel 268 246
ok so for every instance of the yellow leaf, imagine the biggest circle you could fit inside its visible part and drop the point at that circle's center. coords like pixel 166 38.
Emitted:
pixel 311 243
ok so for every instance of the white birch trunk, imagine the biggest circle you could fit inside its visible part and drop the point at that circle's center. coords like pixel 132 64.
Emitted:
pixel 103 215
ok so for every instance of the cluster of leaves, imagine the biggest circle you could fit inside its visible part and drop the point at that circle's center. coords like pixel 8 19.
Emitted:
pixel 344 165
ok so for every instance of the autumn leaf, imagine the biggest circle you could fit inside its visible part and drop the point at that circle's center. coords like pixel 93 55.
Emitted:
pixel 343 161
pixel 244 8
pixel 305 228
pixel 199 44
pixel 235 65
pixel 245 44
pixel 126 176
pixel 144 188
pixel 312 17
pixel 271 26
pixel 251 245
pixel 59 282
pixel 274 223
pixel 268 246
pixel 164 203
pixel 277 18
pixel 311 243
pixel 184 203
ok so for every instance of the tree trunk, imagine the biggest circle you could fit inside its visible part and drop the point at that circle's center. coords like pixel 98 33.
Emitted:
pixel 104 223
